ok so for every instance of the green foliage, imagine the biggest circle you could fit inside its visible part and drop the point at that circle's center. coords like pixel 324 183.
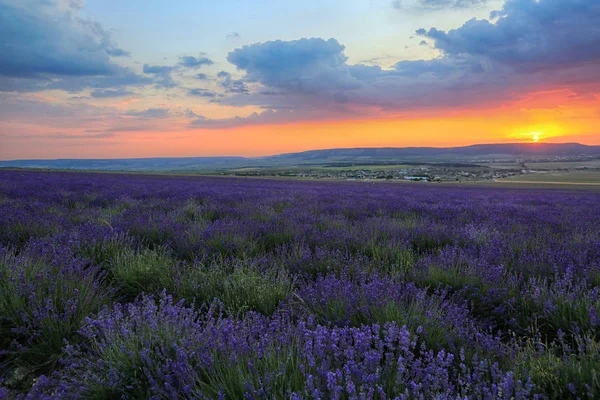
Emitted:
pixel 104 251
pixel 241 288
pixel 18 233
pixel 42 305
pixel 196 212
pixel 563 306
pixel 427 314
pixel 563 372
pixel 145 270
pixel 281 366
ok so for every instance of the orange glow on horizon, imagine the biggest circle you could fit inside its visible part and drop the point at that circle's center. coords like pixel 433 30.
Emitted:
pixel 558 119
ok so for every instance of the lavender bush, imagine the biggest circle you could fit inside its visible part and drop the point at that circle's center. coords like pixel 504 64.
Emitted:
pixel 132 286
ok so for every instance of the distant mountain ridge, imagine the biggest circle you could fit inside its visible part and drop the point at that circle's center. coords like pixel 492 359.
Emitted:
pixel 515 149
pixel 470 153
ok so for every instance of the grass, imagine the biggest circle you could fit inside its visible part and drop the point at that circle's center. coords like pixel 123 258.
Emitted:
pixel 241 288
pixel 145 271
pixel 418 314
pixel 104 251
pixel 42 306
pixel 278 369
pixel 563 373
pixel 566 177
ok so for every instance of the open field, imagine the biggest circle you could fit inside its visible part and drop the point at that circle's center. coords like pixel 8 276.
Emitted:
pixel 560 177
pixel 181 287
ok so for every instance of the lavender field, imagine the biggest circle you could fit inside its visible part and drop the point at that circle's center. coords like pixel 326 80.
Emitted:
pixel 132 287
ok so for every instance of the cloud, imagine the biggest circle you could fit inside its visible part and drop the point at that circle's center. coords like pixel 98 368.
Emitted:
pixel 202 77
pixel 529 35
pixel 116 52
pixel 438 4
pixel 202 93
pixel 193 62
pixel 104 94
pixel 266 117
pixel 441 67
pixel 162 74
pixel 231 85
pixel 304 65
pixel 311 75
pixel 59 135
pixel 103 135
pixel 527 46
pixel 48 44
pixel 40 38
pixel 119 129
pixel 156 69
pixel 150 113
pixel 119 80
pixel 192 115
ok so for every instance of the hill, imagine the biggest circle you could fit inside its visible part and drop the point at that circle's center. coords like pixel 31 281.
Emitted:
pixel 467 154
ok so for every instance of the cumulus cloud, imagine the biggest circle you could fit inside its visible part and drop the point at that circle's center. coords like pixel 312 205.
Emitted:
pixel 103 94
pixel 202 93
pixel 437 4
pixel 525 46
pixel 305 65
pixel 442 67
pixel 231 85
pixel 122 78
pixel 60 135
pixel 156 69
pixel 162 73
pixel 116 52
pixel 150 113
pixel 194 62
pixel 267 117
pixel 45 43
pixel 49 37
pixel 529 35
pixel 311 75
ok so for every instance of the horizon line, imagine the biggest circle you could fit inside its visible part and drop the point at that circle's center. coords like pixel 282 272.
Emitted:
pixel 528 143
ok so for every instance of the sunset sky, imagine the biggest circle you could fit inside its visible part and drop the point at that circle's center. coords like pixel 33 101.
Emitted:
pixel 146 78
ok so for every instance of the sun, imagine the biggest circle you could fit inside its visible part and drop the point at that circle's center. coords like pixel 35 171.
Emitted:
pixel 535 136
